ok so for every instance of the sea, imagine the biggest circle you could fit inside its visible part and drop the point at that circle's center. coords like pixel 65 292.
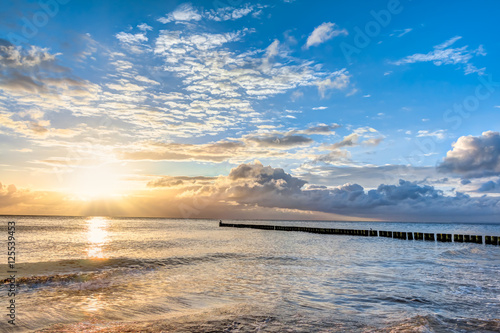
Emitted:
pixel 101 274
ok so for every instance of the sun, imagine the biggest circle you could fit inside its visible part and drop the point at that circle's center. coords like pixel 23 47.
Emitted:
pixel 99 182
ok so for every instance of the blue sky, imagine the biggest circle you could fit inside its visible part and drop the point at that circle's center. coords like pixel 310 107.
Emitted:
pixel 106 101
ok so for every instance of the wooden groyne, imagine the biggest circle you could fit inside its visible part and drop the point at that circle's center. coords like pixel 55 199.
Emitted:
pixel 430 237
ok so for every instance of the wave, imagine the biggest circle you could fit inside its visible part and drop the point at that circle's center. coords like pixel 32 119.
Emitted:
pixel 464 252
pixel 263 323
pixel 85 270
pixel 433 323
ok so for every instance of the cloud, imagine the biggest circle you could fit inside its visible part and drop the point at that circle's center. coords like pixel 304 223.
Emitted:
pixel 144 27
pixel 324 32
pixel 131 38
pixel 444 54
pixel 265 186
pixel 438 134
pixel 286 141
pixel 490 186
pixel 273 49
pixel 253 187
pixel 338 81
pixel 348 141
pixel 465 181
pixel 184 13
pixel 10 195
pixel 206 67
pixel 17 57
pixel 231 13
pixel 369 176
pixel 402 32
pixel 474 156
pixel 213 152
pixel 135 43
pixel 371 136
pixel 36 71
pixel 322 129
pixel 336 156
pixel 125 86
pixel 264 143
pixel 169 181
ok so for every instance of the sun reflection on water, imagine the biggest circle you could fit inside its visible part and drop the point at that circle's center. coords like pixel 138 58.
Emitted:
pixel 97 237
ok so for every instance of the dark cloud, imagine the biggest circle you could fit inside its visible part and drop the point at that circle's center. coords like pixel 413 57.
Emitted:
pixel 369 176
pixel 490 186
pixel 474 156
pixel 272 187
pixel 321 129
pixel 244 149
pixel 169 181
pixel 33 70
pixel 348 141
pixel 253 187
pixel 279 141
pixel 19 82
pixel 268 177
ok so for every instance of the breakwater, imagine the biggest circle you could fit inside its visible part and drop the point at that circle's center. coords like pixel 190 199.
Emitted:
pixel 431 237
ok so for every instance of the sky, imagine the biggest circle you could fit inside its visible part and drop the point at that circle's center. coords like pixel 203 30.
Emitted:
pixel 330 110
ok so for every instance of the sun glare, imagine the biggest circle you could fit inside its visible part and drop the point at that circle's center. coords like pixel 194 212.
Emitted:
pixel 97 183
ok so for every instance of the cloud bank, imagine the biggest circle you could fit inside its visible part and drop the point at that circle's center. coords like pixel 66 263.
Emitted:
pixel 474 157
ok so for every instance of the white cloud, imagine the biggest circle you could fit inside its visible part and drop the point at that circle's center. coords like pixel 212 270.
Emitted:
pixel 403 32
pixel 146 80
pixel 135 43
pixel 438 134
pixel 447 43
pixel 183 13
pixel 207 68
pixel 338 81
pixel 128 38
pixel 273 49
pixel 125 86
pixel 144 27
pixel 186 13
pixel 322 33
pixel 230 13
pixel 444 54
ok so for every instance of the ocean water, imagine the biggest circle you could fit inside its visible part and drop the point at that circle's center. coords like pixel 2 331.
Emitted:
pixel 101 274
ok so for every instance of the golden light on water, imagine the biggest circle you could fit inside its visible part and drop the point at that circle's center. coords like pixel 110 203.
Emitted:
pixel 93 303
pixel 97 237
